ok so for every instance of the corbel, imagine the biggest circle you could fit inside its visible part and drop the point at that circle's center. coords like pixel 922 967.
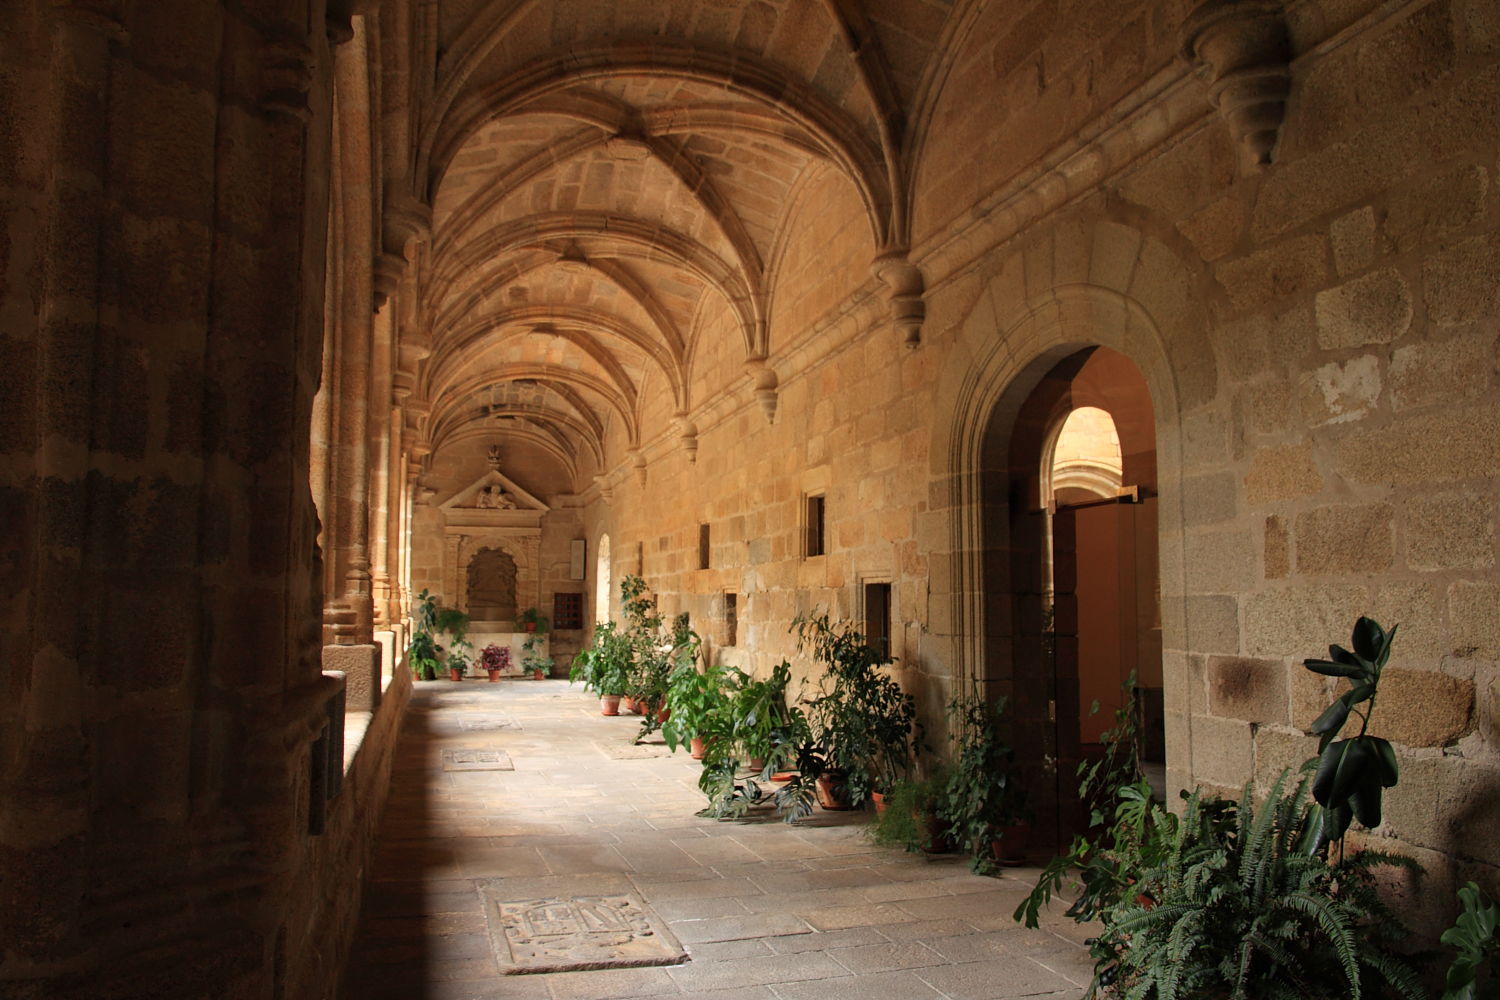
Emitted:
pixel 1242 49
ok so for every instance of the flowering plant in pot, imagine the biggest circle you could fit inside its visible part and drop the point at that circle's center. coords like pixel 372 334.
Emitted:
pixel 494 659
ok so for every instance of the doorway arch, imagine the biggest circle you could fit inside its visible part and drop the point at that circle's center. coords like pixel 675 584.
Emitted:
pixel 1017 331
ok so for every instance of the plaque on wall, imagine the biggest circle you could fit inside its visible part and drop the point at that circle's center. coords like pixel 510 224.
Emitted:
pixel 576 560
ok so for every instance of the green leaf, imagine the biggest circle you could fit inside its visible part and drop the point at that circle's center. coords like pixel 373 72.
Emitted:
pixel 1366 801
pixel 1331 668
pixel 1363 691
pixel 1369 639
pixel 1339 770
pixel 1332 719
pixel 1385 761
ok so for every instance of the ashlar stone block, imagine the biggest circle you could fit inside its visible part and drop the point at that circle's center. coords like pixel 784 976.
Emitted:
pixel 1353 538
pixel 1424 708
pixel 1254 690
pixel 1372 309
pixel 1474 619
pixel 1449 531
pixel 1340 392
pixel 1283 473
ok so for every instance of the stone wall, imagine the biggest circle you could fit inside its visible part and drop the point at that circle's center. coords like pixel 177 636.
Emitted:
pixel 1319 338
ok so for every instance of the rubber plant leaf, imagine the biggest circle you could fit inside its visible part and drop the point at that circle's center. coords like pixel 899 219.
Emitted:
pixel 1369 639
pixel 1385 761
pixel 1332 668
pixel 1338 770
pixel 1365 798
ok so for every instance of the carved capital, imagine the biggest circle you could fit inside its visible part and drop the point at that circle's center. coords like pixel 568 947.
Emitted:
pixel 907 308
pixel 1242 49
pixel 404 217
pixel 386 276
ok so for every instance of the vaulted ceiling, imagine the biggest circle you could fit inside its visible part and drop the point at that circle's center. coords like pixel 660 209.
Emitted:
pixel 612 181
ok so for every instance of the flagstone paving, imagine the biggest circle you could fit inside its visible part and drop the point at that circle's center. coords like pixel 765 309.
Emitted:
pixel 765 911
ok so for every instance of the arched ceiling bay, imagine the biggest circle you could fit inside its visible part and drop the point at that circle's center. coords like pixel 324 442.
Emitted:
pixel 606 177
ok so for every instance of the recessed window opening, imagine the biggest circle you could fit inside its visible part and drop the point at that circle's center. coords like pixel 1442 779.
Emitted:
pixel 815 537
pixel 703 546
pixel 878 617
pixel 731 619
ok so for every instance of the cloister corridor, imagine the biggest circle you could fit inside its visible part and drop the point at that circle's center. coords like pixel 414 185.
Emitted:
pixel 764 910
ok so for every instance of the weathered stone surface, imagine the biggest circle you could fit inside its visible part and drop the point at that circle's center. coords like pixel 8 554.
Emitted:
pixel 1300 621
pixel 1282 473
pixel 1406 449
pixel 1438 372
pixel 1352 237
pixel 1338 392
pixel 1223 752
pixel 1462 285
pixel 1276 558
pixel 1248 689
pixel 1469 809
pixel 1423 708
pixel 1373 309
pixel 1354 538
pixel 1449 531
pixel 1474 617
pixel 1295 265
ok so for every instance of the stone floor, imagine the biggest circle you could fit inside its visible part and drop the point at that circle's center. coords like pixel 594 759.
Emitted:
pixel 763 909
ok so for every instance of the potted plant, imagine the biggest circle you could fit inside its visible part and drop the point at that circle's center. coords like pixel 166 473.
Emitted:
pixel 494 659
pixel 532 620
pixel 696 698
pixel 911 819
pixel 604 667
pixel 532 661
pixel 755 735
pixel 983 802
pixel 864 726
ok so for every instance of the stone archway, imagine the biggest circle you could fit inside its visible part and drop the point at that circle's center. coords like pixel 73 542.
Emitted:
pixel 602 582
pixel 1118 290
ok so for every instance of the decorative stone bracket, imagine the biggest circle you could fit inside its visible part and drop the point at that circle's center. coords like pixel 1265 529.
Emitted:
pixel 689 435
pixel 286 77
pixel 404 218
pixel 907 308
pixel 1242 49
pixel 764 382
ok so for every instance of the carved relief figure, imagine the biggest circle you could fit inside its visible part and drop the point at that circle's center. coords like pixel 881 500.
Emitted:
pixel 492 586
pixel 495 498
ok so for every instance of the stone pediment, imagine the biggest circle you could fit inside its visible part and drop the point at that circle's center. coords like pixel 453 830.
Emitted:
pixel 493 500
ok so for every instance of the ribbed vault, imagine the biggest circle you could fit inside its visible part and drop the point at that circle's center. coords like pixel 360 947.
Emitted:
pixel 610 186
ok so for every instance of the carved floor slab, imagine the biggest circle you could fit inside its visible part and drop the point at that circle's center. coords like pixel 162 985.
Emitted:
pixel 477 760
pixel 572 933
pixel 488 723
pixel 633 751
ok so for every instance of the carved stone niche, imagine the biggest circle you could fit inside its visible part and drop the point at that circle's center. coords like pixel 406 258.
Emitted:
pixel 493 531
pixel 1242 49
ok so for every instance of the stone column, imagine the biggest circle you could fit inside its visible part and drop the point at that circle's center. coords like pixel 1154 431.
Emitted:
pixel 379 436
pixel 161 286
pixel 349 609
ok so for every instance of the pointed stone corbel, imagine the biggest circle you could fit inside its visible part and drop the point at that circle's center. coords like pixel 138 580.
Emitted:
pixel 403 218
pixel 904 281
pixel 764 382
pixel 606 491
pixel 689 435
pixel 639 461
pixel 1242 49
pixel 286 76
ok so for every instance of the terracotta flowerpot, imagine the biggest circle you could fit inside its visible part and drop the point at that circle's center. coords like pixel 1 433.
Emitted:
pixel 783 776
pixel 494 673
pixel 1009 847
pixel 695 747
pixel 609 704
pixel 529 626
pixel 939 833
pixel 880 802
pixel 455 673
pixel 663 714
pixel 628 705
pixel 832 791
pixel 539 674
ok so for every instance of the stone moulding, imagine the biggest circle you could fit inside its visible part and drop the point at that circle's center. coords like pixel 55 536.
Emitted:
pixel 1242 49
